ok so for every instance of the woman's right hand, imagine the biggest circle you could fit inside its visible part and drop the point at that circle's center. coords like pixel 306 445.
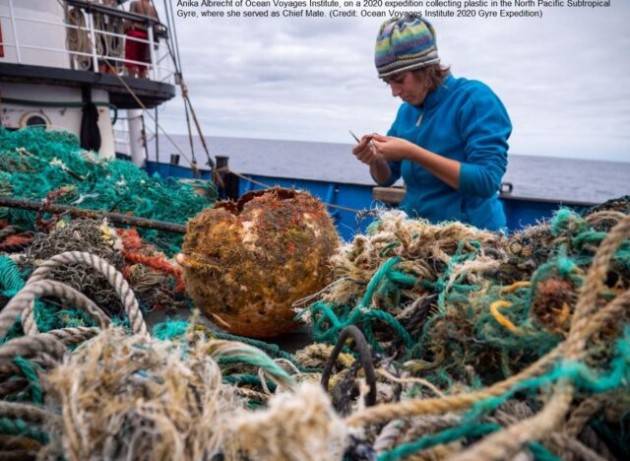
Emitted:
pixel 365 151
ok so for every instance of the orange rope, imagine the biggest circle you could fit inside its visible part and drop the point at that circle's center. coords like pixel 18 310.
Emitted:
pixel 159 263
pixel 16 241
pixel 133 246
pixel 131 239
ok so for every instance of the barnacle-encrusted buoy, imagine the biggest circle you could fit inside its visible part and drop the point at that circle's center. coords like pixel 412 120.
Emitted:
pixel 246 263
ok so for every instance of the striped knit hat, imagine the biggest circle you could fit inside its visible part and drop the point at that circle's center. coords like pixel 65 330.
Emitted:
pixel 405 43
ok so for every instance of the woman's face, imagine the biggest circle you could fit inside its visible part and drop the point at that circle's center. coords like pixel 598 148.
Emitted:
pixel 409 86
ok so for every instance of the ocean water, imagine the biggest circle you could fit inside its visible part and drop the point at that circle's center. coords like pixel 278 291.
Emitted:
pixel 532 176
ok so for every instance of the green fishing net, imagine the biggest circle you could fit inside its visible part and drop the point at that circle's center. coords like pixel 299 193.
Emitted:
pixel 36 164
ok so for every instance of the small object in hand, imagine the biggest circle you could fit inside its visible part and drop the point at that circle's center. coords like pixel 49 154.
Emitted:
pixel 358 140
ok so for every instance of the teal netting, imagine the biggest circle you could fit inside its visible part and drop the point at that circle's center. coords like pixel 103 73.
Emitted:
pixel 35 163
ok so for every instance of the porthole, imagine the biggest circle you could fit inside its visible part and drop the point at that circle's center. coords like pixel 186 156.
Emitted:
pixel 34 119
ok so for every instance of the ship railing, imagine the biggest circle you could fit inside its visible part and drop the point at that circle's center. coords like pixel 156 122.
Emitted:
pixel 121 136
pixel 160 64
pixel 121 139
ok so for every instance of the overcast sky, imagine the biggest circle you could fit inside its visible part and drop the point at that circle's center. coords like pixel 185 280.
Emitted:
pixel 565 78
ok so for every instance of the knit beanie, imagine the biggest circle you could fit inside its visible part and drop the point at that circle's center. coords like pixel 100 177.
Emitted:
pixel 406 43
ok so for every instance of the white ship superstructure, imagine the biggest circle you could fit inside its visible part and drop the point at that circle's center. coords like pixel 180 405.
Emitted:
pixel 62 66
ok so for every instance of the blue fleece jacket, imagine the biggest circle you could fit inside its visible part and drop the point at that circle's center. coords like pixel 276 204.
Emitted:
pixel 465 121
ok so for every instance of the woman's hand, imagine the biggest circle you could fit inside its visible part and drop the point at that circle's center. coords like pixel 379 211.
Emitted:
pixel 365 150
pixel 391 148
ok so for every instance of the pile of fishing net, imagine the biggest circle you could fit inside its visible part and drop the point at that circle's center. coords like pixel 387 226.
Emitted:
pixel 107 392
pixel 50 165
pixel 155 278
pixel 433 342
pixel 530 331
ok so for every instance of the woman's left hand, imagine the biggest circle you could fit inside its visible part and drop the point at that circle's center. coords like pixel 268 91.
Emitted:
pixel 391 148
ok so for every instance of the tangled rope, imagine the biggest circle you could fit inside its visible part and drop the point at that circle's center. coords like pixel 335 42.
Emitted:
pixel 96 237
pixel 157 280
pixel 37 285
pixel 595 311
pixel 133 396
pixel 505 443
pixel 473 345
pixel 114 277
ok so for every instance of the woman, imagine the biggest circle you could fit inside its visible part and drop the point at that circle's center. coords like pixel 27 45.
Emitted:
pixel 449 139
